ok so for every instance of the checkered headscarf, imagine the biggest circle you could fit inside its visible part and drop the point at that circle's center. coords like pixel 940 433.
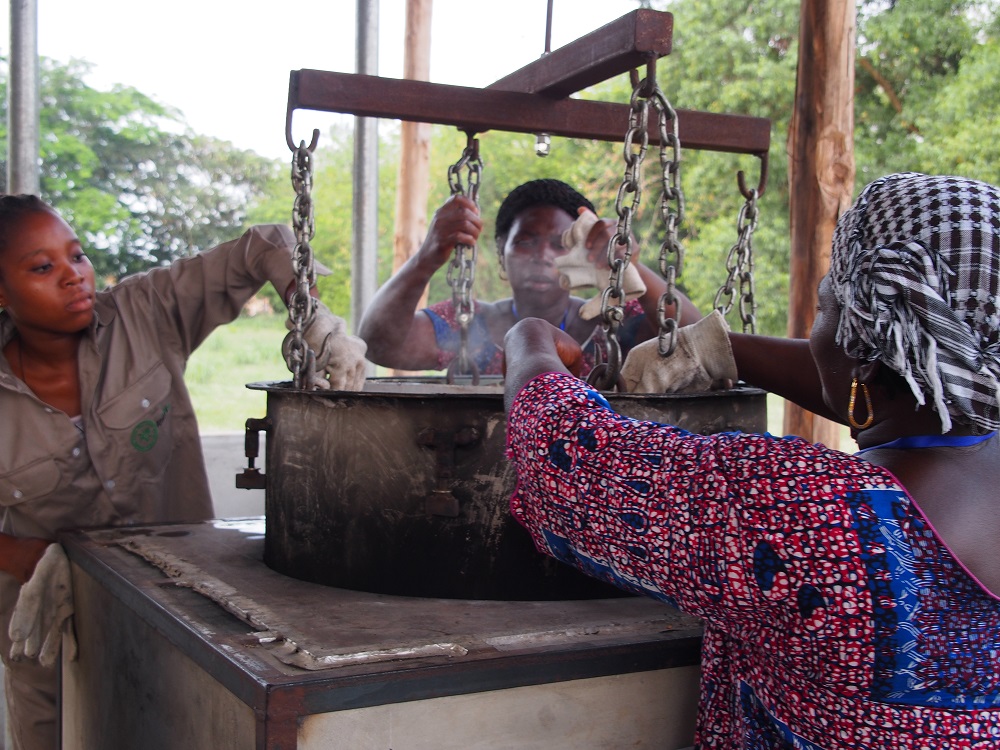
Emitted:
pixel 915 266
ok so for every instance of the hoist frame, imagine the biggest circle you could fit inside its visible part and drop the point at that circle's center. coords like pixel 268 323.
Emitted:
pixel 536 98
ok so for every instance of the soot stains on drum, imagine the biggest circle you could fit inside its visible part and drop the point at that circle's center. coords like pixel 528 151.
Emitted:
pixel 407 492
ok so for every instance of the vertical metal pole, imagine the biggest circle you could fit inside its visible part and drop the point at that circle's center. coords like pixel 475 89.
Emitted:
pixel 22 99
pixel 548 27
pixel 22 158
pixel 365 226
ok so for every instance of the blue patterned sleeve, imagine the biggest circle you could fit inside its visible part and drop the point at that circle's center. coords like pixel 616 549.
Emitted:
pixel 720 525
pixel 816 573
pixel 631 502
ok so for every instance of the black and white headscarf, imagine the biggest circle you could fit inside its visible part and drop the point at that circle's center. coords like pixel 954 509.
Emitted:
pixel 915 266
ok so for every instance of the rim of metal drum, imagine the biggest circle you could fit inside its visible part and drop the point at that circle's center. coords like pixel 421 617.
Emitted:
pixel 419 387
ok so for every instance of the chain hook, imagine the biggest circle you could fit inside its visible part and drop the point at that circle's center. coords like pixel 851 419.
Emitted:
pixel 646 93
pixel 462 269
pixel 740 262
pixel 762 182
pixel 288 134
pixel 301 307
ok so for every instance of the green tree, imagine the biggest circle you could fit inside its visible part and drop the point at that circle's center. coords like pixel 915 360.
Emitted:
pixel 131 178
pixel 958 128
pixel 737 57
pixel 927 78
pixel 906 54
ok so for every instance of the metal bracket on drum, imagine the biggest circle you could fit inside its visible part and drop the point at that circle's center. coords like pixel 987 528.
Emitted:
pixel 252 478
pixel 442 501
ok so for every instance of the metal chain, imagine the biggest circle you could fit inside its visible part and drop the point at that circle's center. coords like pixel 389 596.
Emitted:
pixel 672 211
pixel 739 264
pixel 462 269
pixel 605 375
pixel 645 93
pixel 301 309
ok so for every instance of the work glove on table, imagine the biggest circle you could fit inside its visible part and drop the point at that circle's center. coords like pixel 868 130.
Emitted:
pixel 44 612
pixel 340 357
pixel 701 361
pixel 577 271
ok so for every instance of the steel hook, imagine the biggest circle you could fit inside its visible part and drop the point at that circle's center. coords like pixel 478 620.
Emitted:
pixel 648 83
pixel 761 184
pixel 288 134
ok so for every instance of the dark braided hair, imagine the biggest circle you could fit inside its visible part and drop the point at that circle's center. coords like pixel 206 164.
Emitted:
pixel 13 208
pixel 545 192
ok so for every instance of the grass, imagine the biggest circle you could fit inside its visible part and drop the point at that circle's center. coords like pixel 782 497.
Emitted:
pixel 245 351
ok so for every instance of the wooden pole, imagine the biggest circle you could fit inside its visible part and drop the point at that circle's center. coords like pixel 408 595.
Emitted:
pixel 415 142
pixel 821 171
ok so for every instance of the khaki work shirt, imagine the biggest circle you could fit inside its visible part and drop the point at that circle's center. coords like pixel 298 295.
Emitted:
pixel 136 458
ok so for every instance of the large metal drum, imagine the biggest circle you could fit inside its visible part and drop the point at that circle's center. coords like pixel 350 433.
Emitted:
pixel 403 488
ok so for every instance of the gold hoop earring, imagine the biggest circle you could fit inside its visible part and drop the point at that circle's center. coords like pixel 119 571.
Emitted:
pixel 868 404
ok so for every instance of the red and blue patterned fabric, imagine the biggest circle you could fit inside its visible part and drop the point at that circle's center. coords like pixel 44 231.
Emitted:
pixel 834 615
pixel 488 356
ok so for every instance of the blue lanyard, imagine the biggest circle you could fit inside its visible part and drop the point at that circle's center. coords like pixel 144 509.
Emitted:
pixel 930 441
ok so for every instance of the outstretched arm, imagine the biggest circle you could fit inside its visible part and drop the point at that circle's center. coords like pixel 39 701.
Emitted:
pixel 782 366
pixel 650 301
pixel 399 335
pixel 533 346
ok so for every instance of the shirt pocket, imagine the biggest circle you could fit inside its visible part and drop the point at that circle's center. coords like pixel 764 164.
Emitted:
pixel 137 426
pixel 29 482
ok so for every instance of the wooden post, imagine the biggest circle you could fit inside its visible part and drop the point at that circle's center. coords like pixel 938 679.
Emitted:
pixel 821 171
pixel 415 142
pixel 414 147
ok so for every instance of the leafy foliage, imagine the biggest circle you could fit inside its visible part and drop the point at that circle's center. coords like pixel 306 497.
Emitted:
pixel 131 179
pixel 128 175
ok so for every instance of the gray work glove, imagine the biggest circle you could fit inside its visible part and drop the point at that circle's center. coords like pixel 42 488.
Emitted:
pixel 577 271
pixel 702 360
pixel 340 357
pixel 44 612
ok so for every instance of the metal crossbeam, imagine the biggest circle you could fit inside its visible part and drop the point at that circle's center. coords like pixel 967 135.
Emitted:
pixel 615 48
pixel 535 99
pixel 479 110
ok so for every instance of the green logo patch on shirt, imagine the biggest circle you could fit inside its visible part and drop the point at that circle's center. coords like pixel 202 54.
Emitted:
pixel 147 432
pixel 144 435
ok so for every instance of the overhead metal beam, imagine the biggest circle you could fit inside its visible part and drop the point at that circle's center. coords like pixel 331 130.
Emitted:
pixel 632 41
pixel 479 110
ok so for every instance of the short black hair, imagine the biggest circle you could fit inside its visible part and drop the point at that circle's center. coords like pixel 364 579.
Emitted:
pixel 545 192
pixel 13 208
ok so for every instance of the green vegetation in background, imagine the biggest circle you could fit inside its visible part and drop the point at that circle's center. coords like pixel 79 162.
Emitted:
pixel 143 190
pixel 248 350
pixel 136 184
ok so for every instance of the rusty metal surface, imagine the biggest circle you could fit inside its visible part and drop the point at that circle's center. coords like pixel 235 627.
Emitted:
pixel 626 43
pixel 535 99
pixel 204 588
pixel 404 489
pixel 480 110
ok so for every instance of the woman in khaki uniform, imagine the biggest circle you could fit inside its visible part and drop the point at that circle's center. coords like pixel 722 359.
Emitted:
pixel 98 424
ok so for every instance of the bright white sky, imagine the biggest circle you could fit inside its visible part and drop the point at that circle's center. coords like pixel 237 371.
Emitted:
pixel 225 63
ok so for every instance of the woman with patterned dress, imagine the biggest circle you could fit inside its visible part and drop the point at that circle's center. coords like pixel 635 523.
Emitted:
pixel 849 601
pixel 529 230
